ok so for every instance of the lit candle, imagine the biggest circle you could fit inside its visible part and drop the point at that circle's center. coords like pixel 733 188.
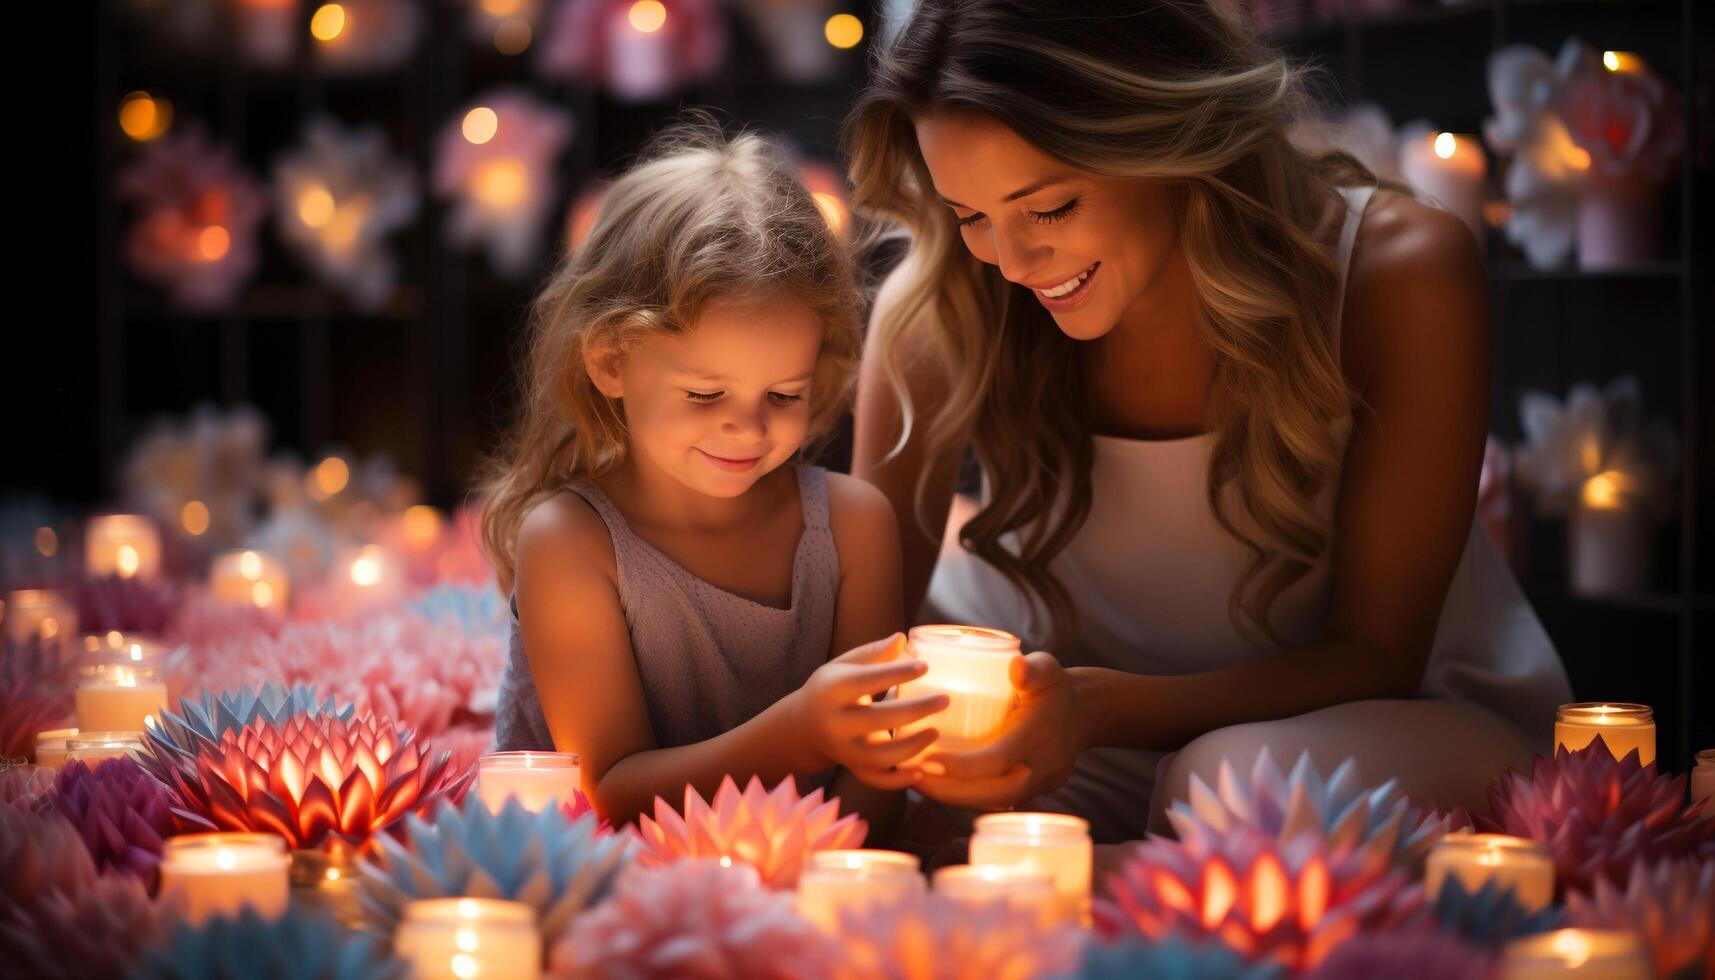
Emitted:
pixel 119 697
pixel 126 545
pixel 459 938
pixel 115 647
pixel 248 577
pixel 326 881
pixel 219 874
pixel 1025 889
pixel 1510 862
pixel 91 747
pixel 835 881
pixel 535 778
pixel 1448 168
pixel 369 576
pixel 51 747
pixel 41 614
pixel 1055 843
pixel 1623 727
pixel 1610 539
pixel 1582 954
pixel 640 42
pixel 1703 783
pixel 970 665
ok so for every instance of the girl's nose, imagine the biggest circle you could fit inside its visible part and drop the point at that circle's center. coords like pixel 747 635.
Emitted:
pixel 746 421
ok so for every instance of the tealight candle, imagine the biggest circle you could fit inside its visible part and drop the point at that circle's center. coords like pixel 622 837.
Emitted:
pixel 119 697
pixel 1510 862
pixel 219 874
pixel 115 647
pixel 1450 169
pixel 534 778
pixel 969 664
pixel 1610 538
pixel 51 747
pixel 91 747
pixel 247 577
pixel 1703 783
pixel 1581 954
pixel 835 881
pixel 39 614
pixel 1623 727
pixel 1025 889
pixel 126 545
pixel 1055 843
pixel 460 938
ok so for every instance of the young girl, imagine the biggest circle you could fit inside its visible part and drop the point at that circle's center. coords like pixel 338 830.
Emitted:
pixel 678 583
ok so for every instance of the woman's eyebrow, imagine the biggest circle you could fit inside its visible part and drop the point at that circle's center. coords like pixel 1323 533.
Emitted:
pixel 1025 191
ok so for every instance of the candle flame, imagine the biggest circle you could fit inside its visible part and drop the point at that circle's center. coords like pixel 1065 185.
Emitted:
pixel 467 940
pixel 328 22
pixel 225 860
pixel 136 651
pixel 1605 490
pixel 647 16
pixel 262 594
pixel 1572 946
pixel 464 966
pixel 1445 145
pixel 1622 62
pixel 250 565
pixel 366 569
pixel 127 561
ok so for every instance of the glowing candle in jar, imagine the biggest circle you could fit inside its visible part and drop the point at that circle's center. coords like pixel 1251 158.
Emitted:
pixel 91 747
pixel 835 881
pixel 535 778
pixel 460 938
pixel 640 43
pixel 115 647
pixel 1448 168
pixel 1623 727
pixel 126 545
pixel 1610 539
pixel 1026 889
pixel 1703 783
pixel 248 577
pixel 1056 843
pixel 219 874
pixel 39 614
pixel 1510 862
pixel 970 665
pixel 119 697
pixel 51 747
pixel 1581 954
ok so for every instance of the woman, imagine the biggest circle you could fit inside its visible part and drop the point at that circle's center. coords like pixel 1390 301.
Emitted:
pixel 1229 403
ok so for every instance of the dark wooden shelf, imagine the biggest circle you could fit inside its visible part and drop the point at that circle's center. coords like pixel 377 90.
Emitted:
pixel 1511 270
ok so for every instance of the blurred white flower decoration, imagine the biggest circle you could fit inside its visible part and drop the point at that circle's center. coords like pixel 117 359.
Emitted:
pixel 1542 175
pixel 201 477
pixel 1364 131
pixel 354 36
pixel 1595 432
pixel 495 162
pixel 640 50
pixel 795 33
pixel 338 196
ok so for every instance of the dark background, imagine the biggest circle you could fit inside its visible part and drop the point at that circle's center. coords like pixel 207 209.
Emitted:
pixel 91 354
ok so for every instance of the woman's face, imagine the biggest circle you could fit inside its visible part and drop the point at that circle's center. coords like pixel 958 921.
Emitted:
pixel 1088 247
pixel 725 402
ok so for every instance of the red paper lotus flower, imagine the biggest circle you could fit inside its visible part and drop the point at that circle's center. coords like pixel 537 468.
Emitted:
pixel 1670 904
pixel 1290 903
pixel 772 832
pixel 317 780
pixel 1598 815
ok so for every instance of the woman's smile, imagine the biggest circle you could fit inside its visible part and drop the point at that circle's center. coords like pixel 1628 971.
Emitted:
pixel 1067 295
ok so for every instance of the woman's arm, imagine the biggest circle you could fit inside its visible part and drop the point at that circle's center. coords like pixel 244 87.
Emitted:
pixel 879 420
pixel 1416 345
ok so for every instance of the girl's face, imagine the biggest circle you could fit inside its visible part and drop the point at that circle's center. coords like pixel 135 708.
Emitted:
pixel 724 403
pixel 1088 247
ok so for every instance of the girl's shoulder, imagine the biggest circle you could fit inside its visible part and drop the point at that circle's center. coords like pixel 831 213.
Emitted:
pixel 565 531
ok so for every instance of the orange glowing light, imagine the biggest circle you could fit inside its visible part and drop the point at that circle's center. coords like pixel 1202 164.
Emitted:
pixel 1268 891
pixel 480 125
pixel 1313 889
pixel 501 8
pixel 502 183
pixel 843 31
pixel 213 242
pixel 512 36
pixel 47 542
pixel 422 525
pixel 1446 145
pixel 328 22
pixel 127 561
pixel 193 517
pixel 1220 891
pixel 1606 490
pixel 316 206
pixel 331 476
pixel 144 117
pixel 647 16
pixel 1622 62
pixel 833 211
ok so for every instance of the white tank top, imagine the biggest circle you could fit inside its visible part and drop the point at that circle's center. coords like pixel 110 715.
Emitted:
pixel 1152 573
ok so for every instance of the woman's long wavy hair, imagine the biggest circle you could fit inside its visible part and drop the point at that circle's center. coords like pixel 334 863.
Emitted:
pixel 701 220
pixel 1169 90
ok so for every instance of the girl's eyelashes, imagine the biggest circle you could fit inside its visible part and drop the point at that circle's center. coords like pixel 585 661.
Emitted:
pixel 777 397
pixel 703 396
pixel 1060 213
pixel 782 398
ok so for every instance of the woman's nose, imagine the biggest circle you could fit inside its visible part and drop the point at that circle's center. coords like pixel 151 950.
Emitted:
pixel 1021 259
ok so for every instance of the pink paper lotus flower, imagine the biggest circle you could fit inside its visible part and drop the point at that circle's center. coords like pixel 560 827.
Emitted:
pixel 502 188
pixel 1598 815
pixel 928 936
pixel 204 622
pixel 98 930
pixel 773 832
pixel 127 605
pixel 122 812
pixel 1431 956
pixel 35 695
pixel 320 781
pixel 1625 116
pixel 693 918
pixel 1290 903
pixel 603 43
pixel 1671 904
pixel 39 853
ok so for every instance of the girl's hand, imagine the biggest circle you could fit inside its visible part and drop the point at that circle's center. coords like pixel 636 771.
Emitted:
pixel 1034 752
pixel 836 709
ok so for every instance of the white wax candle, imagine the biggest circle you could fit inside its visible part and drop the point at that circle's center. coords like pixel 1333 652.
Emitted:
pixel 41 614
pixel 1022 888
pixel 1581 954
pixel 1448 168
pixel 125 545
pixel 51 747
pixel 1511 862
pixel 1623 727
pixel 247 577
pixel 534 778
pixel 219 874
pixel 836 881
pixel 1703 783
pixel 1611 538
pixel 460 938
pixel 1056 843
pixel 119 697
pixel 970 665
pixel 90 747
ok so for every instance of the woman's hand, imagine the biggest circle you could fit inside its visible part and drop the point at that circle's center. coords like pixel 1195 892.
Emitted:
pixel 1034 752
pixel 837 710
